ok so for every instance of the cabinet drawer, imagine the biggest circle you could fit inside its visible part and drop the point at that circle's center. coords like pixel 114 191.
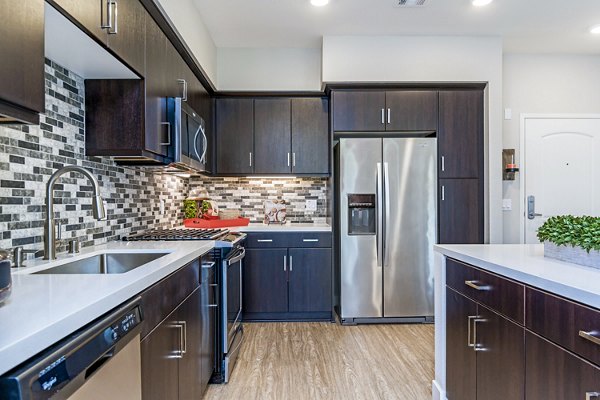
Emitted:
pixel 288 239
pixel 500 294
pixel 561 321
pixel 161 299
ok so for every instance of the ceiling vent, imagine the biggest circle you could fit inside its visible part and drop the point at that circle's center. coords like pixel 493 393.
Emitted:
pixel 410 3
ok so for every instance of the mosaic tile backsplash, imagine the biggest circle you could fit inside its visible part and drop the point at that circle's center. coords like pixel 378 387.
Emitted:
pixel 30 154
pixel 249 194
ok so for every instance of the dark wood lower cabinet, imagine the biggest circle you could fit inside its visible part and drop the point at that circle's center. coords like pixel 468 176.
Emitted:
pixel 189 314
pixel 556 374
pixel 310 280
pixel 461 213
pixel 265 281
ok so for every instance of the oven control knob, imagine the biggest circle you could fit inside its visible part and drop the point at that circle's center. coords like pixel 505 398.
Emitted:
pixel 111 335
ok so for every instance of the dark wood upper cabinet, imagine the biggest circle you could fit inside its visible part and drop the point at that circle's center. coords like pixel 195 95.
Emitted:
pixel 358 111
pixel 235 135
pixel 461 217
pixel 411 110
pixel 128 41
pixel 22 65
pixel 460 134
pixel 310 280
pixel 310 136
pixel 272 136
pixel 91 15
pixel 461 365
pixel 265 285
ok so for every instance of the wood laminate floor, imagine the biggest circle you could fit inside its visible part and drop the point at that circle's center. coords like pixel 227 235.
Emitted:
pixel 300 361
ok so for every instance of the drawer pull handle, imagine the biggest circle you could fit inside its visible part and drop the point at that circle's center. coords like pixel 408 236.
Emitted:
pixel 310 240
pixel 476 286
pixel 264 240
pixel 590 336
pixel 592 395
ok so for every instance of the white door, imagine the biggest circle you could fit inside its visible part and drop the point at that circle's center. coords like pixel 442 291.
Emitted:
pixel 561 170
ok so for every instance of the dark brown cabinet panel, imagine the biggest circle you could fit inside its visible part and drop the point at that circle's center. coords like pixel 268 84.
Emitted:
pixel 22 65
pixel 461 366
pixel 461 218
pixel 310 280
pixel 160 370
pixel 555 374
pixel 310 136
pixel 272 136
pixel 358 111
pixel 460 134
pixel 92 15
pixel 235 136
pixel 189 313
pixel 500 357
pixel 265 288
pixel 129 40
pixel 411 110
pixel 209 321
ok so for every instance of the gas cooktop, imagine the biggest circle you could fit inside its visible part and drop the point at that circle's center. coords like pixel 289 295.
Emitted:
pixel 180 234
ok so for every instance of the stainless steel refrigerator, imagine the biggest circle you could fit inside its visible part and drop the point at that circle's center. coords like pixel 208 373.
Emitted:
pixel 387 228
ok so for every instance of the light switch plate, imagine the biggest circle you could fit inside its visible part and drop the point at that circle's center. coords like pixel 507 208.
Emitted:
pixel 507 113
pixel 506 204
pixel 162 207
pixel 311 205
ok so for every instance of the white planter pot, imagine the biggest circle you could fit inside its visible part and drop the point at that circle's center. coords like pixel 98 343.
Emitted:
pixel 575 255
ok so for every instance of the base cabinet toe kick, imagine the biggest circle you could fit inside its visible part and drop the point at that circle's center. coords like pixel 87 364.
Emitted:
pixel 507 340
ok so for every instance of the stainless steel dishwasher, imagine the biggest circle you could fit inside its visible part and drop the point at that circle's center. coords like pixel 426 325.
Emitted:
pixel 100 361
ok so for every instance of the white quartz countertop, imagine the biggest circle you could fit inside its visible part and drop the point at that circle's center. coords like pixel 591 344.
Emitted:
pixel 527 264
pixel 43 309
pixel 289 227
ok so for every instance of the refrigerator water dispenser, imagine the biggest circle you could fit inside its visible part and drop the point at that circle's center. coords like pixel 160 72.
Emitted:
pixel 362 214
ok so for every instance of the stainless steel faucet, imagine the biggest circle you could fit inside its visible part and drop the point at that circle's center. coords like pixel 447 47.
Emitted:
pixel 50 225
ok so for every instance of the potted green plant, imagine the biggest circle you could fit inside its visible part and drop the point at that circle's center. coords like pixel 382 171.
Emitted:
pixel 572 239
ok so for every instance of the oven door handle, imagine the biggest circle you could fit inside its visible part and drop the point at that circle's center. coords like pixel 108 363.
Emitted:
pixel 237 258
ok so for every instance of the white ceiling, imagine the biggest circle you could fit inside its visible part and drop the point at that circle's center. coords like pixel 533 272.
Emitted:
pixel 540 26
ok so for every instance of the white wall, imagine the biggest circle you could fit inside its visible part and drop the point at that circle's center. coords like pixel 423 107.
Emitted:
pixel 430 59
pixel 259 69
pixel 543 84
pixel 186 17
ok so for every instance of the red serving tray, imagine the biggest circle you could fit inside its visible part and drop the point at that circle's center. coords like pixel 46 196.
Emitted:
pixel 215 223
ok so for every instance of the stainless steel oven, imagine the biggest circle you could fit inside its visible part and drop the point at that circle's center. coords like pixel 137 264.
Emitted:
pixel 231 308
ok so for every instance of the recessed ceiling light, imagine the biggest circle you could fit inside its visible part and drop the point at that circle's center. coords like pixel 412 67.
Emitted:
pixel 319 3
pixel 481 3
pixel 595 29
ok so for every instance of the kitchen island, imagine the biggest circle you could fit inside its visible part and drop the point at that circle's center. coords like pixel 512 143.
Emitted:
pixel 513 324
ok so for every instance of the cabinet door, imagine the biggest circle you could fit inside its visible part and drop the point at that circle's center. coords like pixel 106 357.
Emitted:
pixel 209 300
pixel 265 281
pixel 90 14
pixel 22 49
pixel 160 371
pixel 157 130
pixel 460 134
pixel 461 378
pixel 501 359
pixel 411 110
pixel 128 38
pixel 189 313
pixel 310 280
pixel 310 136
pixel 555 374
pixel 272 136
pixel 460 211
pixel 235 136
pixel 358 111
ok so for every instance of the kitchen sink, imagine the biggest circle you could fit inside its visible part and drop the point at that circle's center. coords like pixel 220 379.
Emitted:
pixel 105 263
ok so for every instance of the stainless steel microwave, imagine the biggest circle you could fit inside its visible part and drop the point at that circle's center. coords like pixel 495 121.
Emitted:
pixel 188 137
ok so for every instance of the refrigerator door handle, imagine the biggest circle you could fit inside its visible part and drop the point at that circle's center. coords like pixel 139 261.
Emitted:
pixel 379 233
pixel 386 200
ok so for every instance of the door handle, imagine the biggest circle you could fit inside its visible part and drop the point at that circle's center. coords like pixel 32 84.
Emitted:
pixel 476 286
pixel 265 240
pixel 383 115
pixel 476 345
pixel 115 27
pixel 389 116
pixel 470 319
pixel 288 158
pixel 386 201
pixel 379 233
pixel 291 263
pixel 592 395
pixel 179 352
pixel 443 163
pixel 108 24
pixel 250 158
pixel 284 263
pixel 590 336
pixel 184 95
pixel 183 337
pixel 531 214
pixel 293 159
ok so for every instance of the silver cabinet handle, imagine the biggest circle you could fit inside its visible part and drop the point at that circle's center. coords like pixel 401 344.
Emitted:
pixel 179 352
pixel 288 159
pixel 590 336
pixel 476 345
pixel 285 263
pixel 115 28
pixel 592 395
pixel 389 115
pixel 250 158
pixel 470 319
pixel 108 24
pixel 168 142
pixel 293 159
pixel 265 240
pixel 476 286
pixel 443 163
pixel 291 263
pixel 209 265
pixel 310 240
pixel 183 337
pixel 443 193
pixel 383 116
pixel 184 95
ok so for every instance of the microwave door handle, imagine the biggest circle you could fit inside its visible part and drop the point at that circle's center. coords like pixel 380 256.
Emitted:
pixel 204 145
pixel 196 142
